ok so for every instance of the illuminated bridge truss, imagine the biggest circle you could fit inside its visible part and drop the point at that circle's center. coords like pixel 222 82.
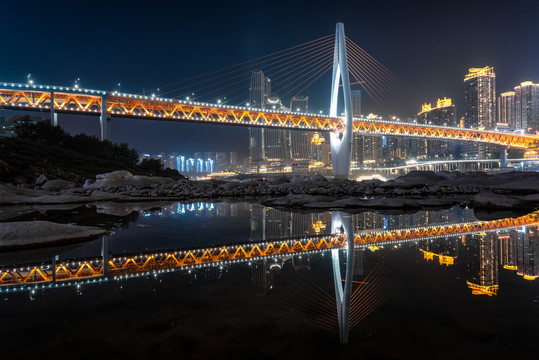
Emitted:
pixel 83 101
pixel 71 272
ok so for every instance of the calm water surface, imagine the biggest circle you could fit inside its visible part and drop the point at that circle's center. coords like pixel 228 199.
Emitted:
pixel 172 288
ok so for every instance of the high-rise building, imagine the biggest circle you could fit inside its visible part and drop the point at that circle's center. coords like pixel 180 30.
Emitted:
pixel 480 98
pixel 299 141
pixel 480 109
pixel 506 110
pixel 299 104
pixel 259 90
pixel 527 107
pixel 444 114
pixel 266 144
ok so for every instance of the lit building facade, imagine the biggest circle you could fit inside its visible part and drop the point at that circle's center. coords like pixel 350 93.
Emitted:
pixel 444 114
pixel 506 111
pixel 527 107
pixel 480 109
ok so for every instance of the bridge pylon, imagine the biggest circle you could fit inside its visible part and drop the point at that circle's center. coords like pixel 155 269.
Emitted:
pixel 341 142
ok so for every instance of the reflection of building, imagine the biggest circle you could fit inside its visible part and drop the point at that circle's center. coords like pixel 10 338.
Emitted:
pixel 262 277
pixel 272 224
pixel 482 263
pixel 527 251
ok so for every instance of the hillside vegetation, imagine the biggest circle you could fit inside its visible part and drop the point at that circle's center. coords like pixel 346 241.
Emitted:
pixel 41 148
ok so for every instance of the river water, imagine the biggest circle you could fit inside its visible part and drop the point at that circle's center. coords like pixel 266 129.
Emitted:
pixel 237 280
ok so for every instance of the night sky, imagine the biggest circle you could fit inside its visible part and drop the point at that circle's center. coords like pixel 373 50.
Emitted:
pixel 145 44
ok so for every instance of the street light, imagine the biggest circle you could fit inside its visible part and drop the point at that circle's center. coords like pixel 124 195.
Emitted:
pixel 119 88
pixel 77 83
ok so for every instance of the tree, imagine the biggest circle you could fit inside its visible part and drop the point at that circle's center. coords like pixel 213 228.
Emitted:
pixel 152 166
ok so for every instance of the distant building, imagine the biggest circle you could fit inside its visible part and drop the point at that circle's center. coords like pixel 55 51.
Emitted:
pixel 444 114
pixel 356 102
pixel 299 141
pixel 506 110
pixel 8 121
pixel 527 107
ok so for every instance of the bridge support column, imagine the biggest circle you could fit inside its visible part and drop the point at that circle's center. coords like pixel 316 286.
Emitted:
pixel 54 259
pixel 343 223
pixel 54 115
pixel 503 157
pixel 341 143
pixel 104 120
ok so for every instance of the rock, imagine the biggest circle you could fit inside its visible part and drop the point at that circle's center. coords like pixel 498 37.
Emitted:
pixel 42 179
pixel 19 234
pixel 490 200
pixel 57 185
pixel 115 175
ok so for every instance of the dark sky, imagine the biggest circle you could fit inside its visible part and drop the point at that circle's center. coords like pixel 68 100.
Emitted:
pixel 145 44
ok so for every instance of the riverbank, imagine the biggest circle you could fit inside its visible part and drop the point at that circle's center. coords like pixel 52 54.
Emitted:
pixel 514 190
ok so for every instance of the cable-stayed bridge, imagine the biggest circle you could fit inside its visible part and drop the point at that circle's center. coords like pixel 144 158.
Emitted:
pixel 297 67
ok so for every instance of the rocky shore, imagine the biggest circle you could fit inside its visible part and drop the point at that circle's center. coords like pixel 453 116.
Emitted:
pixel 513 190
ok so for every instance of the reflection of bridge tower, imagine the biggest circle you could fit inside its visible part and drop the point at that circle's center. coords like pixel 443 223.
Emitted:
pixel 483 263
pixel 343 223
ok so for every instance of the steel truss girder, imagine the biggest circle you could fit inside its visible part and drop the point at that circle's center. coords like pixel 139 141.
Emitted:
pixel 133 106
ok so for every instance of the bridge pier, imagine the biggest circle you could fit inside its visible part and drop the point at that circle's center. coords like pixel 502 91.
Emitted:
pixel 503 157
pixel 341 143
pixel 54 115
pixel 104 120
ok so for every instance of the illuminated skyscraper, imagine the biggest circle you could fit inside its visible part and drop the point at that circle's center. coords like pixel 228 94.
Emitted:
pixel 527 107
pixel 480 109
pixel 299 141
pixel 506 110
pixel 480 98
pixel 259 91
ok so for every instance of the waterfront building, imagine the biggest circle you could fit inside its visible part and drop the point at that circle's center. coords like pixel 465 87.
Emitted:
pixel 527 107
pixel 506 111
pixel 444 114
pixel 480 109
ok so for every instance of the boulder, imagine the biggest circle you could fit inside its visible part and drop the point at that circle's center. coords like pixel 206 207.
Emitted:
pixel 57 185
pixel 42 179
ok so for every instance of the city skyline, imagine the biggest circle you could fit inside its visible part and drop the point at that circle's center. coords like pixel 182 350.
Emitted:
pixel 402 33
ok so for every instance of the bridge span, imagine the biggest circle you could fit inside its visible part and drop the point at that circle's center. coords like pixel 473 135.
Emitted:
pixel 107 105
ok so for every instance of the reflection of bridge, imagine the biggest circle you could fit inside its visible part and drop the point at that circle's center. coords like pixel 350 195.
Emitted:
pixel 71 272
pixel 57 99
